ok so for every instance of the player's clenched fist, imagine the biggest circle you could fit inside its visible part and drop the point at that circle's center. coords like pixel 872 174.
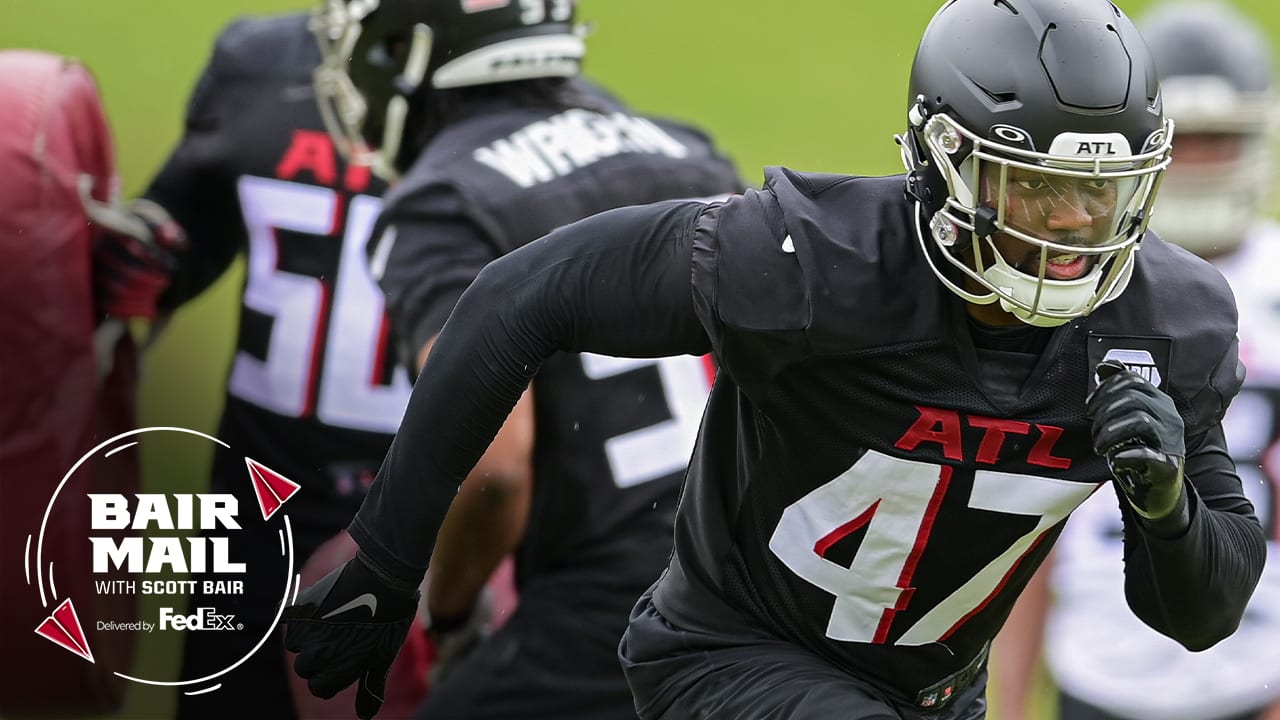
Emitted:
pixel 1138 429
pixel 349 627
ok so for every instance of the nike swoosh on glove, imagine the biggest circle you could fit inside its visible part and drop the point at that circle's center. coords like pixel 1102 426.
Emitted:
pixel 349 627
pixel 1137 428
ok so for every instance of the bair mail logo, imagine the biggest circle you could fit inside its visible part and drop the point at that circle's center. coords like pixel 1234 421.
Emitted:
pixel 164 562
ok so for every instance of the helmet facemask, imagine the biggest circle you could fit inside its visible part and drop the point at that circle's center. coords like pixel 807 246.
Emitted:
pixel 374 110
pixel 1049 235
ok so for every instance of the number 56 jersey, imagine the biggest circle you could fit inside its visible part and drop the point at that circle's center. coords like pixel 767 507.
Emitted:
pixel 869 484
pixel 313 392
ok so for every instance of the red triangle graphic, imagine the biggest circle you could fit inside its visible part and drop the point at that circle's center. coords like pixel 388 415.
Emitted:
pixel 266 501
pixel 282 487
pixel 66 617
pixel 271 488
pixel 63 628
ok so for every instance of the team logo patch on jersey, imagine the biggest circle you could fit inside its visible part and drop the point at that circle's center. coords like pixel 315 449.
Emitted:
pixel 1146 356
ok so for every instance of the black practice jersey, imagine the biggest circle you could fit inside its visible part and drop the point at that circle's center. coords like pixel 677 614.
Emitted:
pixel 313 391
pixel 613 435
pixel 866 483
pixel 902 484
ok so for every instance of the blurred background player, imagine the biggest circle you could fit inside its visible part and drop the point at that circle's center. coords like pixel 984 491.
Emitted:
pixel 1216 69
pixel 480 107
pixel 68 372
pixel 314 391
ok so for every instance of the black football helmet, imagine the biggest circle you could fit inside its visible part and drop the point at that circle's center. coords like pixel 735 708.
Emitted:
pixel 380 57
pixel 1052 100
pixel 1216 79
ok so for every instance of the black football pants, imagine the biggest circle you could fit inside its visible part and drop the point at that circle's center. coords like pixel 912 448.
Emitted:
pixel 676 674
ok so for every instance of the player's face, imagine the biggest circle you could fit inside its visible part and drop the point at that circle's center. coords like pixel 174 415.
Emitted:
pixel 1076 211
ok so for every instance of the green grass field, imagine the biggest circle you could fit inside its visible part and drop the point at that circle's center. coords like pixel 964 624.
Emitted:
pixel 813 84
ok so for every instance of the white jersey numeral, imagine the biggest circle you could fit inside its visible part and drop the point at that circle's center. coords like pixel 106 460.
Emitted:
pixel 895 502
pixel 663 448
pixel 347 394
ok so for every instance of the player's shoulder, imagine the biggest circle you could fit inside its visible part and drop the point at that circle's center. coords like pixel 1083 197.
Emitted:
pixel 745 264
pixel 810 250
pixel 850 221
pixel 269 46
pixel 510 140
pixel 501 117
pixel 1169 282
pixel 1179 300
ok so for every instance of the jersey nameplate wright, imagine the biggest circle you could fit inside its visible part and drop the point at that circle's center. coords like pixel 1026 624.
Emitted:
pixel 547 149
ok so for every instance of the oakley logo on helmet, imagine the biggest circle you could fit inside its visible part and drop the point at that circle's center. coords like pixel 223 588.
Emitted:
pixel 1012 135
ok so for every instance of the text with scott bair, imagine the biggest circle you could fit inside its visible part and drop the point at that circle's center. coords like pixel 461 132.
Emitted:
pixel 168 587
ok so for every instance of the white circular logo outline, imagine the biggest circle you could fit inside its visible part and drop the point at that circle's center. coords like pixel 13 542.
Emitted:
pixel 291 579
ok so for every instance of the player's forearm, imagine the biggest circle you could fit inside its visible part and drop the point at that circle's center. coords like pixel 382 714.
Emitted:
pixel 486 523
pixel 1194 588
pixel 210 220
pixel 487 519
pixel 617 284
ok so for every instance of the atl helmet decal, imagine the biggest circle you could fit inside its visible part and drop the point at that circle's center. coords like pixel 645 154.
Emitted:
pixel 152 555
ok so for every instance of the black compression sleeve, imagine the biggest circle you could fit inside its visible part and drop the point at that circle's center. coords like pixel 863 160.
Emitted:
pixel 619 283
pixel 199 191
pixel 1194 588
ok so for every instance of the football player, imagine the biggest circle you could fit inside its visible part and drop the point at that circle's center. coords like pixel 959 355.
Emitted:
pixel 920 377
pixel 314 392
pixel 479 110
pixel 1216 81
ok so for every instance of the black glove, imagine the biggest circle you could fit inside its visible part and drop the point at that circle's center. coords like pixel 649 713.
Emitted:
pixel 1139 431
pixel 134 255
pixel 349 626
pixel 455 638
